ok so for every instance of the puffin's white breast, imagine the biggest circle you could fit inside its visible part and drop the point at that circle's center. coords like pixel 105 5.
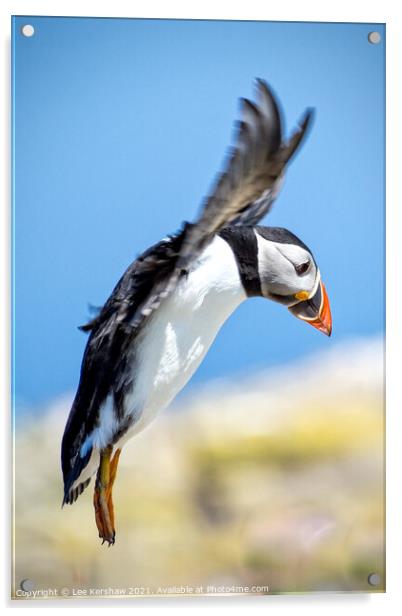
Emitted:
pixel 172 345
pixel 177 337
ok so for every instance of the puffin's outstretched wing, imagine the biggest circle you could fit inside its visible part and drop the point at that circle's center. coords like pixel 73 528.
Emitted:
pixel 244 192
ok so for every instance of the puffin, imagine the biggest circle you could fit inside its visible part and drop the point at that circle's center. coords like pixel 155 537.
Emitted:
pixel 156 327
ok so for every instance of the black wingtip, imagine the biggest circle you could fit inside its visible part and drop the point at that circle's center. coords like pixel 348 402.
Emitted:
pixel 264 90
pixel 268 104
pixel 263 86
pixel 305 124
pixel 88 326
pixel 84 328
pixel 246 103
pixel 296 140
pixel 307 119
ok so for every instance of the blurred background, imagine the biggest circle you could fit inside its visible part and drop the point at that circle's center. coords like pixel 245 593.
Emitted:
pixel 275 480
pixel 268 469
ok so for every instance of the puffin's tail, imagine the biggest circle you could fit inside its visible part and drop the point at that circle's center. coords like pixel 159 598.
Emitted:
pixel 77 465
pixel 72 489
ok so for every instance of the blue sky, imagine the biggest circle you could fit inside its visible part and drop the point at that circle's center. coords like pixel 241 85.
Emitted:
pixel 119 129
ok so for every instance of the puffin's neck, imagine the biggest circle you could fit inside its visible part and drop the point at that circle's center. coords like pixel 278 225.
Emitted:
pixel 214 284
pixel 243 242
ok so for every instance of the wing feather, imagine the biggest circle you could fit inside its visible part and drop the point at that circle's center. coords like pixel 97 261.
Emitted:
pixel 244 192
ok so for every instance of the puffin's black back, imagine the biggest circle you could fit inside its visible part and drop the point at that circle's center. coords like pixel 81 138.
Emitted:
pixel 103 368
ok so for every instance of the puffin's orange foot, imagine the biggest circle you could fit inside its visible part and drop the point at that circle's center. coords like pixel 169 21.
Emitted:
pixel 102 516
pixel 109 498
pixel 103 501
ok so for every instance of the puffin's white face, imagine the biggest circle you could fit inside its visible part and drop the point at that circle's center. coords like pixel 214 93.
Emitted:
pixel 290 276
pixel 287 272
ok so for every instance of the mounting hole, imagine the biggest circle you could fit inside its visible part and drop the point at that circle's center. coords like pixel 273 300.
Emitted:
pixel 27 585
pixel 28 30
pixel 374 579
pixel 374 38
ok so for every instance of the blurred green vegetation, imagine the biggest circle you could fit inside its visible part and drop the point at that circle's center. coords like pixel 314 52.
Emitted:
pixel 224 492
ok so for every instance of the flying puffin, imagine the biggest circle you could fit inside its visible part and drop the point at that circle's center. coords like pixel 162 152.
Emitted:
pixel 165 311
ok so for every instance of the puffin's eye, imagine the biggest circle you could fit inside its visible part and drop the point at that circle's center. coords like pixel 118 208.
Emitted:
pixel 302 268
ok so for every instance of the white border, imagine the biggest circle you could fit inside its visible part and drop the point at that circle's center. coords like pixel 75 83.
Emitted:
pixel 285 10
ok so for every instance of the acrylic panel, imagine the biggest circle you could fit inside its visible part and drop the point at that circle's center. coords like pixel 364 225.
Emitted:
pixel 265 473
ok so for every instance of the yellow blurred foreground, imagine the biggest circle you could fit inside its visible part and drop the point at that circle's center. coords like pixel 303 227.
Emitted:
pixel 269 485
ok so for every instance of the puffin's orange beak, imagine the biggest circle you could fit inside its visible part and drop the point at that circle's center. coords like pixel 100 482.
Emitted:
pixel 315 311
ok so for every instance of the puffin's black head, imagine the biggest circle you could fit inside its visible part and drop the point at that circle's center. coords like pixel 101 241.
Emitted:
pixel 275 264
